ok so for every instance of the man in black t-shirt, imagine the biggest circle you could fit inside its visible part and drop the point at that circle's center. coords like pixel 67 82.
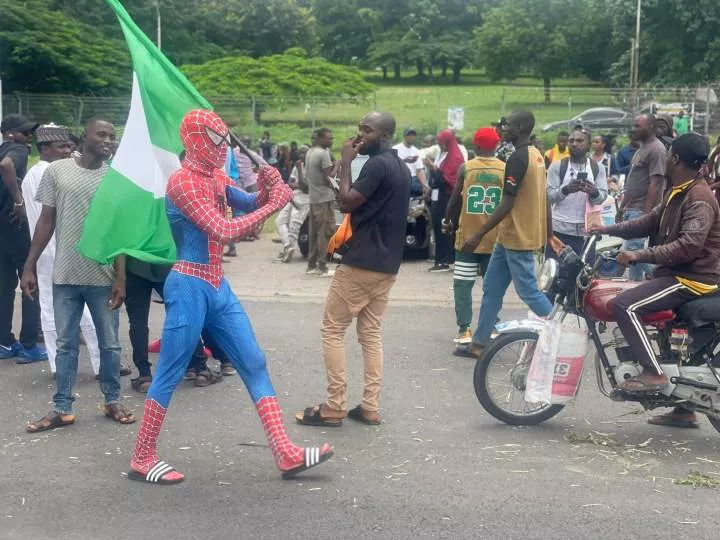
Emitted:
pixel 15 234
pixel 378 205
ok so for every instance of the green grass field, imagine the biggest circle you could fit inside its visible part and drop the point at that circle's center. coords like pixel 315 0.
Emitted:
pixel 424 106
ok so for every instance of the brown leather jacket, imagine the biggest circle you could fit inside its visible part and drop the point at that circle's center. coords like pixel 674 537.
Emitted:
pixel 684 233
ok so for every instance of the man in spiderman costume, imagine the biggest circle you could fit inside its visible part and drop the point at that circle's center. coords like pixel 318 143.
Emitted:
pixel 197 295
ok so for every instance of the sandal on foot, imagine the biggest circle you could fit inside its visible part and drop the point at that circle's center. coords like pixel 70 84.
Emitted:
pixel 141 384
pixel 361 415
pixel 125 371
pixel 156 475
pixel 463 351
pixel 674 420
pixel 207 377
pixel 227 370
pixel 190 375
pixel 119 414
pixel 311 417
pixel 313 456
pixel 51 420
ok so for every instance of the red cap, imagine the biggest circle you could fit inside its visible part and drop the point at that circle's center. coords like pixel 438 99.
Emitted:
pixel 486 139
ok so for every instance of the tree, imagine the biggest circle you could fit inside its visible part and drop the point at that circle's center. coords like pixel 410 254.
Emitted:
pixel 46 51
pixel 344 34
pixel 280 75
pixel 525 36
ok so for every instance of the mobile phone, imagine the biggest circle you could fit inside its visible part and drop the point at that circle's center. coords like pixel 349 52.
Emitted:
pixel 582 176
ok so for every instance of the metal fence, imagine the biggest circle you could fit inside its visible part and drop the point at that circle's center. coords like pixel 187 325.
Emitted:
pixel 423 107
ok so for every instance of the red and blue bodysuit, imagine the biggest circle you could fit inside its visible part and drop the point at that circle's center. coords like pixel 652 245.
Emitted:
pixel 197 295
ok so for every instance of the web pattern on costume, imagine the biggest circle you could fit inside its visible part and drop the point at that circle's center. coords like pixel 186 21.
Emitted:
pixel 280 445
pixel 197 204
pixel 146 443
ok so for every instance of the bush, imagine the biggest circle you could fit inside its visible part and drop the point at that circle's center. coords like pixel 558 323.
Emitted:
pixel 278 75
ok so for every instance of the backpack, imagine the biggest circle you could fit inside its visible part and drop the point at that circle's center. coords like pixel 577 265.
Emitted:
pixel 565 163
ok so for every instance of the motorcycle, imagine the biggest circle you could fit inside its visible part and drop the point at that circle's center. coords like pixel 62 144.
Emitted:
pixel 687 341
pixel 418 231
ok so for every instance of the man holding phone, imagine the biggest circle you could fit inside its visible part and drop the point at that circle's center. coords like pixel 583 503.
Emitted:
pixel 574 183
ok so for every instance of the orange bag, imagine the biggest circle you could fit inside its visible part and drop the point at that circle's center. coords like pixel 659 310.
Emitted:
pixel 341 237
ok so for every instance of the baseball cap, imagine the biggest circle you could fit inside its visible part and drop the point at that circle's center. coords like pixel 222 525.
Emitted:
pixel 486 138
pixel 52 133
pixel 17 122
pixel 409 131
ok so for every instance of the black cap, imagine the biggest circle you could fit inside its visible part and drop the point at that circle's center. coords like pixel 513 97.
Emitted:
pixel 409 131
pixel 692 149
pixel 500 123
pixel 17 122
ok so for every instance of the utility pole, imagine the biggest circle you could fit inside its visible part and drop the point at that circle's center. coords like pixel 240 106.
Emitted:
pixel 159 24
pixel 636 62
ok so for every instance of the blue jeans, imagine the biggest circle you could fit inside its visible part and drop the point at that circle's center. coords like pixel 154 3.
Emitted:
pixel 508 265
pixel 69 302
pixel 636 271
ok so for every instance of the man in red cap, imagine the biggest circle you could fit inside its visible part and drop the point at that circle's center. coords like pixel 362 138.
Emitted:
pixel 476 195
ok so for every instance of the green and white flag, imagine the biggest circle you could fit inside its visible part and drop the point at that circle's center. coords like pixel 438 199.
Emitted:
pixel 127 213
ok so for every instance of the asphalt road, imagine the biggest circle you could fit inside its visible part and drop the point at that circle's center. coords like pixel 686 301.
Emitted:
pixel 438 467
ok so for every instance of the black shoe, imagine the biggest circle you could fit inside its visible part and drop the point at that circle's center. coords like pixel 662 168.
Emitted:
pixel 439 268
pixel 125 371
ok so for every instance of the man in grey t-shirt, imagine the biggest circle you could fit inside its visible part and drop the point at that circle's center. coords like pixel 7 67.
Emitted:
pixel 318 171
pixel 644 184
pixel 65 191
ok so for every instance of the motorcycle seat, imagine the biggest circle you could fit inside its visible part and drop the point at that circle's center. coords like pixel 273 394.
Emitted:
pixel 703 311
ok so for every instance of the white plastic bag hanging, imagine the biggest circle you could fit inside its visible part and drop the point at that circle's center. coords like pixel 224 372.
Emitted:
pixel 538 388
pixel 569 362
pixel 557 364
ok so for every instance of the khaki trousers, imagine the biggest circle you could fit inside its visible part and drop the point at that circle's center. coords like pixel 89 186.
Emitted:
pixel 362 294
pixel 322 227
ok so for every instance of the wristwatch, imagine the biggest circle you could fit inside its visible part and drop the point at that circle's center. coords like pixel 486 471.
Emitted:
pixel 18 205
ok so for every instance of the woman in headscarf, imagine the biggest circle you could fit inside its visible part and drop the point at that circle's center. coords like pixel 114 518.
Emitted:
pixel 443 177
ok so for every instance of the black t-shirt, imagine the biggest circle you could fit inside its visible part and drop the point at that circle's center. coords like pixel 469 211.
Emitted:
pixel 378 226
pixel 18 153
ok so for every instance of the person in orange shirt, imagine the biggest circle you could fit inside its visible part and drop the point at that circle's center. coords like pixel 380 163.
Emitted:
pixel 558 152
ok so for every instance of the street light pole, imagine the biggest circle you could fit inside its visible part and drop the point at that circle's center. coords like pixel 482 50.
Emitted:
pixel 636 75
pixel 159 24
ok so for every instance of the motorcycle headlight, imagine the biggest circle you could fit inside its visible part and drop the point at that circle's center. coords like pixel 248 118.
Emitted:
pixel 548 273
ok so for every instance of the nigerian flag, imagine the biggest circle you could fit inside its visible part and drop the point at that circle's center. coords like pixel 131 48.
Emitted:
pixel 127 213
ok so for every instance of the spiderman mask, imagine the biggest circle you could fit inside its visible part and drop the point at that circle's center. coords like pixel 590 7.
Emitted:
pixel 205 138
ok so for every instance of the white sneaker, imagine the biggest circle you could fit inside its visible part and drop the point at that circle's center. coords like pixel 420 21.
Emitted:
pixel 288 253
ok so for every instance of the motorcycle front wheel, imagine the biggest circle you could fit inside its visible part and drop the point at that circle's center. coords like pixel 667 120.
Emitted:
pixel 500 377
pixel 714 421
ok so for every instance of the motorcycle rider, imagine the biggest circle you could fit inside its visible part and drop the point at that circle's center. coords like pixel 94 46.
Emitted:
pixel 685 245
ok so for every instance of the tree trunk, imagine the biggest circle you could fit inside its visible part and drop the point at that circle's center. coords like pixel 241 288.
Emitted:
pixel 430 70
pixel 457 67
pixel 396 67
pixel 546 84
pixel 384 69
pixel 444 67
pixel 420 67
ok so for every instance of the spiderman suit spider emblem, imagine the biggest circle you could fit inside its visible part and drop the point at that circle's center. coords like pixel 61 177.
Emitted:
pixel 197 295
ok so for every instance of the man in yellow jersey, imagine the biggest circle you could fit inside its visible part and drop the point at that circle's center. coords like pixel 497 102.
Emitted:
pixel 558 152
pixel 476 195
pixel 684 233
pixel 523 220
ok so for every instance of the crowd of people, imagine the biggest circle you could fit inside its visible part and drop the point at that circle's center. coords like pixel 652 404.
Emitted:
pixel 495 206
